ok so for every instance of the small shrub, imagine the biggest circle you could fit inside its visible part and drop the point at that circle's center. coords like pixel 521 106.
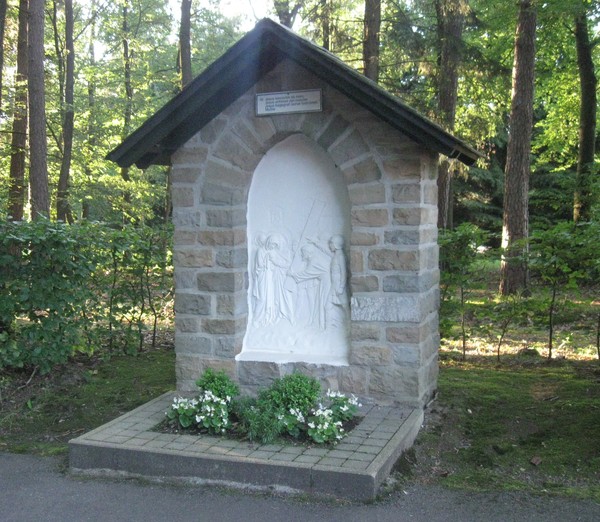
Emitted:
pixel 325 424
pixel 213 414
pixel 257 420
pixel 295 391
pixel 219 383
pixel 290 406
pixel 292 398
pixel 184 411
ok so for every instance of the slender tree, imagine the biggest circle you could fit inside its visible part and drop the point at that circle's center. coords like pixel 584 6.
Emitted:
pixel 63 209
pixel 38 162
pixel 450 23
pixel 2 28
pixel 18 153
pixel 286 12
pixel 587 121
pixel 372 27
pixel 128 84
pixel 185 48
pixel 515 223
pixel 91 130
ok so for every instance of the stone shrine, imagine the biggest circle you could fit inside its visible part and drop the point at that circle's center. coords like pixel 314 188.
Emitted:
pixel 305 210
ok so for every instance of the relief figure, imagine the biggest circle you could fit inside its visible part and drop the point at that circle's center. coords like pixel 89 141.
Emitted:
pixel 278 299
pixel 312 289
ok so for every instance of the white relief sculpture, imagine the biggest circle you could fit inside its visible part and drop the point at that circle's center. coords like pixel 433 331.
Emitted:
pixel 311 291
pixel 259 281
pixel 278 299
pixel 297 288
pixel 338 275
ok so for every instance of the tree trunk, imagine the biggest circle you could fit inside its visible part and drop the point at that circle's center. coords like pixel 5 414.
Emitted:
pixel 326 24
pixel 372 27
pixel 583 198
pixel 2 27
pixel 63 209
pixel 185 50
pixel 515 222
pixel 91 123
pixel 38 167
pixel 286 13
pixel 17 187
pixel 450 23
pixel 127 113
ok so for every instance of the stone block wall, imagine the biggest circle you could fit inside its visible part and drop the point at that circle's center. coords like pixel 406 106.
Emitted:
pixel 393 253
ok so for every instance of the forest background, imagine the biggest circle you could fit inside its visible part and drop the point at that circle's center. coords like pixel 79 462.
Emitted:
pixel 86 242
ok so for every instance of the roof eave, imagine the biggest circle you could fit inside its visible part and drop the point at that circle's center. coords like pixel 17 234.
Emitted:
pixel 242 66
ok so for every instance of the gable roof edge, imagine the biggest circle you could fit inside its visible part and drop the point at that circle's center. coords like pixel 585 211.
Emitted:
pixel 241 66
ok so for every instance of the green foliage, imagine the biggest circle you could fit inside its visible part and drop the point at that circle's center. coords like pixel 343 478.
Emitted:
pixel 69 288
pixel 212 408
pixel 44 273
pixel 219 383
pixel 459 252
pixel 325 423
pixel 183 411
pixel 561 257
pixel 258 420
pixel 290 406
pixel 213 413
pixel 291 397
pixel 295 391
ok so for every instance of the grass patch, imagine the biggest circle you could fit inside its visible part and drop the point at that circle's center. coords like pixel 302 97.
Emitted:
pixel 43 416
pixel 532 428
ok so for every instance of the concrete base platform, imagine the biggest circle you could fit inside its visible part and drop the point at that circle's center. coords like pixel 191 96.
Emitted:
pixel 353 469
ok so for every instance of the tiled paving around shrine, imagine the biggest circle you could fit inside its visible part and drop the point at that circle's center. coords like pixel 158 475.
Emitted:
pixel 353 469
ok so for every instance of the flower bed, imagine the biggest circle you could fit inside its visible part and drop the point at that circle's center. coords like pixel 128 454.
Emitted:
pixel 293 407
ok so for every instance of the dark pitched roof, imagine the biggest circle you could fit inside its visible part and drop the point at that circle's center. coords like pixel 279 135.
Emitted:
pixel 254 55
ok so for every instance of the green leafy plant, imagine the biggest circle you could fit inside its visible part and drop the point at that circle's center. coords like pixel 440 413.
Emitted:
pixel 76 288
pixel 560 257
pixel 458 254
pixel 213 413
pixel 291 398
pixel 325 423
pixel 257 420
pixel 218 383
pixel 290 406
pixel 183 411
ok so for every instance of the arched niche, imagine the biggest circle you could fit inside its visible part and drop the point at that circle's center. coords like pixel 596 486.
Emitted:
pixel 298 236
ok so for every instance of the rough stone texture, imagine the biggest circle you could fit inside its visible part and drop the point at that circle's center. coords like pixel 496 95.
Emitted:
pixel 220 282
pixel 188 303
pixel 371 355
pixel 193 257
pixel 364 238
pixel 183 196
pixel 194 344
pixel 364 284
pixel 392 254
pixel 388 259
pixel 370 217
pixel 392 309
pixel 367 194
pixel 365 331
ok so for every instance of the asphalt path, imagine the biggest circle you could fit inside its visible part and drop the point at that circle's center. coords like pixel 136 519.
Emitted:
pixel 40 489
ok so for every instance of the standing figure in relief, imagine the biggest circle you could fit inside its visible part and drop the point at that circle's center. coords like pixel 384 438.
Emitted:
pixel 338 272
pixel 278 299
pixel 259 280
pixel 311 293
